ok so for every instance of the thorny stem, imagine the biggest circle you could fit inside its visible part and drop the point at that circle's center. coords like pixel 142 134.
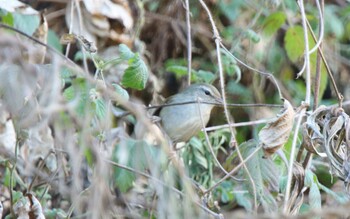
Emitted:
pixel 222 84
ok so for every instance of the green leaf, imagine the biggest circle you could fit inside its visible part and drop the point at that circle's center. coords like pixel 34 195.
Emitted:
pixel 26 23
pixel 252 35
pixel 54 41
pixel 197 144
pixel 294 43
pixel 69 93
pixel 205 76
pixel 136 75
pixel 124 179
pixel 179 70
pixel 243 199
pixel 138 155
pixel 6 18
pixel 273 22
pixel 78 89
pixel 295 47
pixel 200 159
pixel 7 178
pixel 125 53
pixel 100 108
pixel 121 91
pixel 264 174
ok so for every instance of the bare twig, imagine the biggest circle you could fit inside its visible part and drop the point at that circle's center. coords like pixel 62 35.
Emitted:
pixel 189 41
pixel 304 106
pixel 234 170
pixel 72 3
pixel 210 145
pixel 217 39
pixel 262 121
pixel 266 74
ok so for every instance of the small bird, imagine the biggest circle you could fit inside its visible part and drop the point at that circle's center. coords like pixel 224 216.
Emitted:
pixel 181 122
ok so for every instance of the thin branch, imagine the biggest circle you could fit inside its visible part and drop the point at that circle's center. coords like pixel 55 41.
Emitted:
pixel 72 3
pixel 217 40
pixel 189 41
pixel 257 122
pixel 234 170
pixel 211 146
pixel 232 105
pixel 291 161
pixel 308 157
pixel 304 106
pixel 339 95
pixel 266 74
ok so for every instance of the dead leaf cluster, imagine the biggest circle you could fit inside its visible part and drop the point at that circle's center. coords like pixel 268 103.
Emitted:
pixel 326 134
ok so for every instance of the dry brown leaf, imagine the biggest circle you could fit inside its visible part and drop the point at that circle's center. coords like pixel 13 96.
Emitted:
pixel 327 128
pixel 275 134
pixel 28 207
pixel 102 19
pixel 297 195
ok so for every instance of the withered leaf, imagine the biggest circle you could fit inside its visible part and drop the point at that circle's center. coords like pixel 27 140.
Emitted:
pixel 275 134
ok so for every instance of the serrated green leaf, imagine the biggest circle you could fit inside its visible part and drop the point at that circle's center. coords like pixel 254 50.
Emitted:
pixel 257 167
pixel 136 75
pixel 69 93
pixel 180 70
pixel 26 23
pixel 121 91
pixel 100 108
pixel 205 76
pixel 273 22
pixel 125 53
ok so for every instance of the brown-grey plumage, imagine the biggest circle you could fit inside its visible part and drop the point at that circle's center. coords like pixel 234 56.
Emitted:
pixel 181 122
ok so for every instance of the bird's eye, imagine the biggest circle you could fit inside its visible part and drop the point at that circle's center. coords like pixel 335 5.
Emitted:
pixel 207 92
